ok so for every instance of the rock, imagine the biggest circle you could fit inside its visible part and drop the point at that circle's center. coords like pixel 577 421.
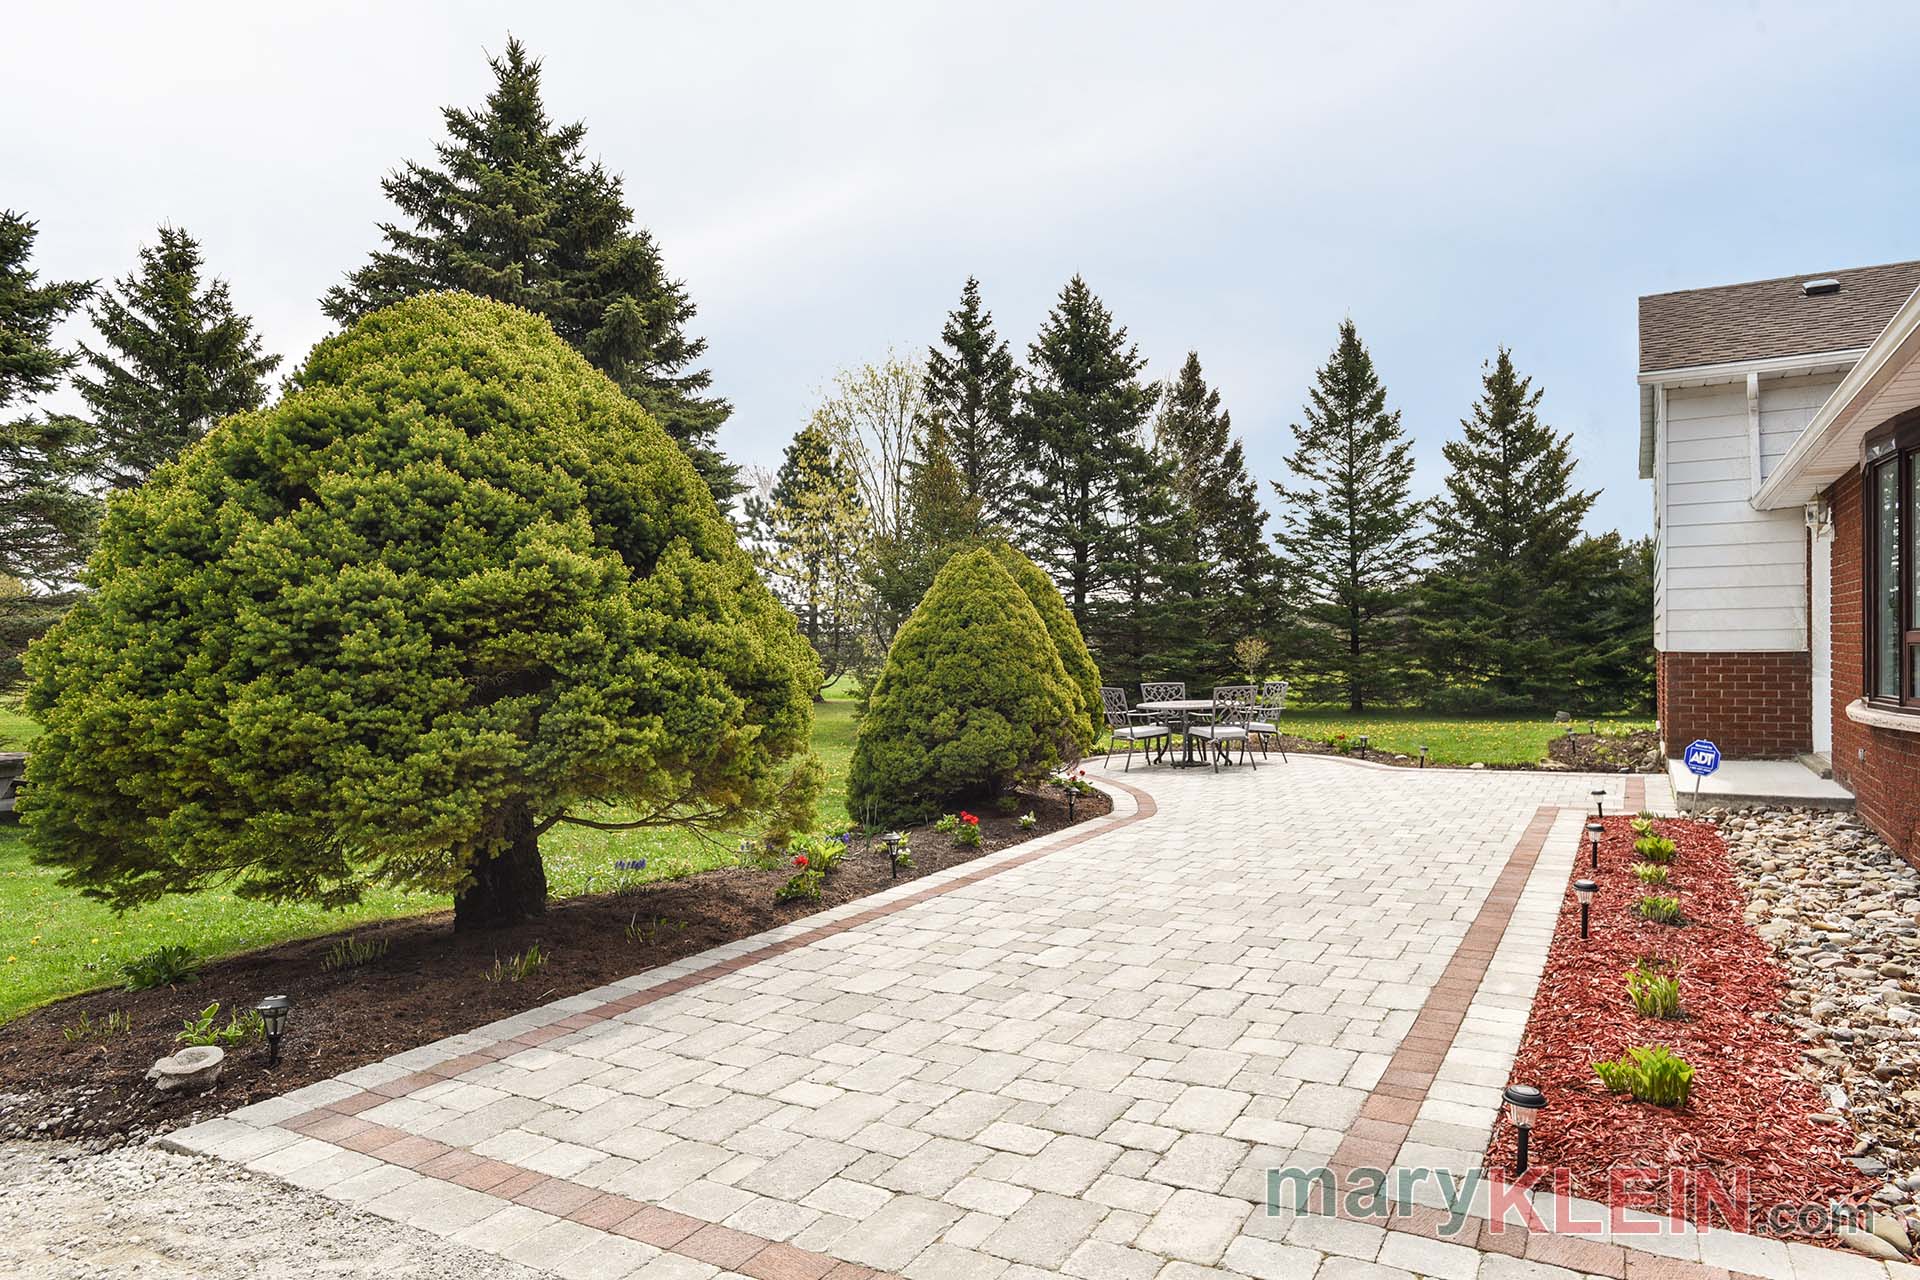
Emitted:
pixel 1868 1243
pixel 1888 1228
pixel 1562 717
pixel 1478 764
pixel 192 1070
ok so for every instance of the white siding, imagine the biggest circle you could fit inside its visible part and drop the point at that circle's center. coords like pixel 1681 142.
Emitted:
pixel 1730 578
pixel 1660 455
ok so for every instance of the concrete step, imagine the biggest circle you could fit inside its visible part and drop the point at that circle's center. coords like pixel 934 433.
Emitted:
pixel 1752 782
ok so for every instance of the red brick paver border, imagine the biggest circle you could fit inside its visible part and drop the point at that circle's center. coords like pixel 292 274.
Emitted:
pixel 1374 1140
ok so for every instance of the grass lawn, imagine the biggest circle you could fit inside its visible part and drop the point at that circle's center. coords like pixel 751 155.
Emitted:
pixel 1492 739
pixel 15 729
pixel 54 943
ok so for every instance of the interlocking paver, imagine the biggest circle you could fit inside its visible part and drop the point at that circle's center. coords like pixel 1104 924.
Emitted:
pixel 1081 1064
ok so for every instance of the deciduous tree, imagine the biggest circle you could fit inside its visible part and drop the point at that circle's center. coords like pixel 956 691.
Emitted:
pixel 816 537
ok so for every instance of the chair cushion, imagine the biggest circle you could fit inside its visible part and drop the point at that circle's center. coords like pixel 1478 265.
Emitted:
pixel 1139 731
pixel 1217 731
pixel 1261 726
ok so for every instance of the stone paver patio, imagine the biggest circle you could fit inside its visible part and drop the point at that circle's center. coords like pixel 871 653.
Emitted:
pixel 1077 1057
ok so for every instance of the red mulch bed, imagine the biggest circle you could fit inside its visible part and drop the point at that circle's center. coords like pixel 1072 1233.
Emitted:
pixel 1750 1107
pixel 428 985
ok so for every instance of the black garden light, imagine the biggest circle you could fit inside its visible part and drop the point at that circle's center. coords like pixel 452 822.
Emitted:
pixel 1599 802
pixel 891 842
pixel 1584 890
pixel 1594 832
pixel 1363 746
pixel 1423 755
pixel 273 1015
pixel 1524 1102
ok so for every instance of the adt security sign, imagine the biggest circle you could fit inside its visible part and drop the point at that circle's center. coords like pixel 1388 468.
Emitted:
pixel 1702 757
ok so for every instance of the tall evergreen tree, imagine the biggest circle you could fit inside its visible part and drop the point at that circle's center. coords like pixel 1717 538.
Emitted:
pixel 1613 663
pixel 1078 433
pixel 515 211
pixel 970 387
pixel 176 358
pixel 46 517
pixel 1229 584
pixel 1499 618
pixel 1349 532
pixel 817 532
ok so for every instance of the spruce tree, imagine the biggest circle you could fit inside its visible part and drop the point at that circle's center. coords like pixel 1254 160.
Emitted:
pixel 1077 436
pixel 1349 531
pixel 176 358
pixel 1613 657
pixel 970 385
pixel 46 517
pixel 1228 579
pixel 515 211
pixel 453 590
pixel 1499 618
pixel 816 534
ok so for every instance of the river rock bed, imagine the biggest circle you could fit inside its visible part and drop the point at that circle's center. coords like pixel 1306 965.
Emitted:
pixel 1842 913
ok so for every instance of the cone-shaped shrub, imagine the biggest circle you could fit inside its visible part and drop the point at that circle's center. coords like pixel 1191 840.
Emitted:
pixel 1082 675
pixel 451 589
pixel 972 700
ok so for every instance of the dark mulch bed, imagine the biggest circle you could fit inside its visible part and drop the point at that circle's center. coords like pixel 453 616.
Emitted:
pixel 1750 1112
pixel 428 985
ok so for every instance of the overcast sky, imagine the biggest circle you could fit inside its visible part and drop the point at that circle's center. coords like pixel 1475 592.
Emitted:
pixel 1234 179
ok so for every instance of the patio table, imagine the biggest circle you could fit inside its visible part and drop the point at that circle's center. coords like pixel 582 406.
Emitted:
pixel 1184 708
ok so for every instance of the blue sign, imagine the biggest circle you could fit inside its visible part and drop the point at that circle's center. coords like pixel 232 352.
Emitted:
pixel 1702 757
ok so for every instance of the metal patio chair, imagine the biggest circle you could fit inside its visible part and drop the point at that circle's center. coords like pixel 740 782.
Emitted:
pixel 1131 727
pixel 1265 725
pixel 1232 713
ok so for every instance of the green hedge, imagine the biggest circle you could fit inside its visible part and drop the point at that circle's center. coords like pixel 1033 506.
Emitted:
pixel 972 701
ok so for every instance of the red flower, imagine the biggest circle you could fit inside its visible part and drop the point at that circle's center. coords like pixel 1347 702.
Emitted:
pixel 969 818
pixel 799 859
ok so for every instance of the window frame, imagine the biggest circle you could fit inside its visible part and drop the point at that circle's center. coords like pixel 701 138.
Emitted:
pixel 1897 444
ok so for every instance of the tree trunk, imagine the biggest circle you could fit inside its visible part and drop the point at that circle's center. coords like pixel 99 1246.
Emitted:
pixel 509 881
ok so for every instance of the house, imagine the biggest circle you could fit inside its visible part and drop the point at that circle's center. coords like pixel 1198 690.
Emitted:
pixel 1780 425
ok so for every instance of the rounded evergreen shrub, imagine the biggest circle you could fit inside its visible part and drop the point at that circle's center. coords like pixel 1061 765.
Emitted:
pixel 972 700
pixel 1082 675
pixel 454 588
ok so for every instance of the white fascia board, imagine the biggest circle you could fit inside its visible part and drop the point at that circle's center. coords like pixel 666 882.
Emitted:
pixel 1833 435
pixel 1737 370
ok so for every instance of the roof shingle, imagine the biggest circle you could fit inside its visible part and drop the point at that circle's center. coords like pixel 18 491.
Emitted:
pixel 1763 319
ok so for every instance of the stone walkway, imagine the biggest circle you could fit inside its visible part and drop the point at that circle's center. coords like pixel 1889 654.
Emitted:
pixel 1078 1057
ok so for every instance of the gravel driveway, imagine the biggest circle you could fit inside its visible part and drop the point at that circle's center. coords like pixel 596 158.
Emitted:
pixel 68 1214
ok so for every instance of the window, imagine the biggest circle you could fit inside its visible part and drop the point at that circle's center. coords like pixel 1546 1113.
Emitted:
pixel 1892 584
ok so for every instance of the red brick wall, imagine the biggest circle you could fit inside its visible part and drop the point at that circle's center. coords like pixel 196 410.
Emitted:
pixel 1880 766
pixel 1754 706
